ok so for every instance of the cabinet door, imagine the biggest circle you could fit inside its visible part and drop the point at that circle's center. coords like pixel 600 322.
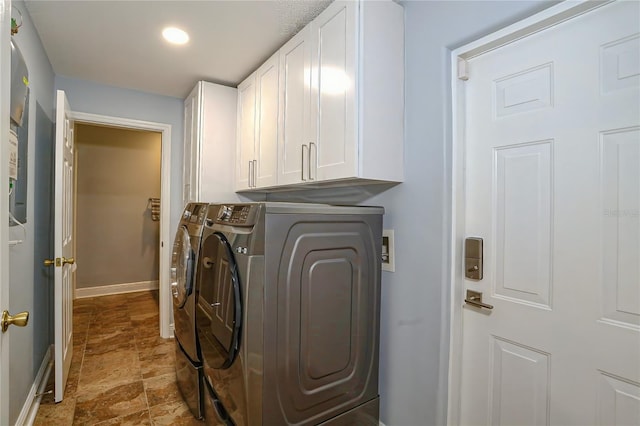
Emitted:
pixel 333 108
pixel 189 162
pixel 266 147
pixel 246 132
pixel 295 104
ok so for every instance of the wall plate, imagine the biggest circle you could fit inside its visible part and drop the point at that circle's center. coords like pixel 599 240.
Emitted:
pixel 388 251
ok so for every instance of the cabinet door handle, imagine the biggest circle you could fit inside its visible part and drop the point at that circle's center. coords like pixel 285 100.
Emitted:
pixel 250 173
pixel 311 145
pixel 255 172
pixel 302 168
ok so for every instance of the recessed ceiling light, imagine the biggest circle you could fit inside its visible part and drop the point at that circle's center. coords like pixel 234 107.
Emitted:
pixel 175 35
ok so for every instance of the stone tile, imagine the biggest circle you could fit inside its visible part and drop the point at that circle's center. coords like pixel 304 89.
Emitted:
pixel 79 338
pixel 157 361
pixel 142 315
pixel 118 401
pixel 112 300
pixel 81 321
pixel 84 306
pixel 152 295
pixel 78 350
pixel 109 318
pixel 141 418
pixel 60 414
pixel 106 340
pixel 107 370
pixel 120 367
pixel 145 319
pixel 173 413
pixel 142 297
pixel 146 332
pixel 162 389
pixel 147 344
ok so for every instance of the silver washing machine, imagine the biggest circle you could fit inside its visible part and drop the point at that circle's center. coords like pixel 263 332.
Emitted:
pixel 184 265
pixel 287 316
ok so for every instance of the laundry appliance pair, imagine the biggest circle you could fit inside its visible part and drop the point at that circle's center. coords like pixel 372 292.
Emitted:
pixel 285 307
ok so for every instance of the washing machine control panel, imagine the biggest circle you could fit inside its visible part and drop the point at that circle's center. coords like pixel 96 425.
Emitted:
pixel 236 215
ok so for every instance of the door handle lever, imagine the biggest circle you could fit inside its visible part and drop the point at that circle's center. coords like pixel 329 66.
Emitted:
pixel 474 298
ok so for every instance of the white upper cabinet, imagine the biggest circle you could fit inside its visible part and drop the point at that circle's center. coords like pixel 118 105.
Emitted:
pixel 246 133
pixel 333 144
pixel 209 137
pixel 295 106
pixel 190 143
pixel 266 148
pixel 339 110
pixel 256 163
pixel 342 96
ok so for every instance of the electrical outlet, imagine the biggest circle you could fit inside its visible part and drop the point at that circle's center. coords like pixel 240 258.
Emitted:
pixel 388 251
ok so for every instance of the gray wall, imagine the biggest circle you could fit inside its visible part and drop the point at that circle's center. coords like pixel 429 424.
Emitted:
pixel 415 299
pixel 118 170
pixel 28 345
pixel 88 97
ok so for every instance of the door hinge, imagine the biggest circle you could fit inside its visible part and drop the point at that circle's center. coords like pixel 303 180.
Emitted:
pixel 463 69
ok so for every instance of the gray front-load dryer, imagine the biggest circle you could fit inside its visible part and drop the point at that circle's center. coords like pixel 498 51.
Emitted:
pixel 288 314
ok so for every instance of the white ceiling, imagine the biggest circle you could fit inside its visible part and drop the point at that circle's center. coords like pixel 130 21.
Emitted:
pixel 119 43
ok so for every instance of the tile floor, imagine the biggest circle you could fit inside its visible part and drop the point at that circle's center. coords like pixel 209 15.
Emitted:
pixel 122 372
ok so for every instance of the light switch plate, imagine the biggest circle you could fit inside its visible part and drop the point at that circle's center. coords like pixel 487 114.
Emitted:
pixel 388 251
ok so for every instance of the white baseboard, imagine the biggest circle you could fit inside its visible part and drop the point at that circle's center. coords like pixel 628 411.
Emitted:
pixel 32 403
pixel 106 290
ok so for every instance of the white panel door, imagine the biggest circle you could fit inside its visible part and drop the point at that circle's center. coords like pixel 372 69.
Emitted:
pixel 552 186
pixel 63 244
pixel 246 133
pixel 5 70
pixel 295 104
pixel 334 147
pixel 266 148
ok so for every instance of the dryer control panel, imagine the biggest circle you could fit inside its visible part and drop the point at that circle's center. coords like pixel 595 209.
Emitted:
pixel 237 214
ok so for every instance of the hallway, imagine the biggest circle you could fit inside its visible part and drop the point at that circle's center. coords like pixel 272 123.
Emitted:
pixel 122 372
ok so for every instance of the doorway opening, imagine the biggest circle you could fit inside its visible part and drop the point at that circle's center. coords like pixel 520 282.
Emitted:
pixel 117 210
pixel 149 228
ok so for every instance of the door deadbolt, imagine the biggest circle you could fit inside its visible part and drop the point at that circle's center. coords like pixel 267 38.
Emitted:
pixel 473 258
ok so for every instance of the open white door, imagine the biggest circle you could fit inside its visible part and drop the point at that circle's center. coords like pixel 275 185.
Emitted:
pixel 63 244
pixel 552 186
pixel 5 72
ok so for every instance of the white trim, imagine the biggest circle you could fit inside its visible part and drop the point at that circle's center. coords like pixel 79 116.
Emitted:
pixel 5 81
pixel 165 201
pixel 536 23
pixel 106 290
pixel 32 402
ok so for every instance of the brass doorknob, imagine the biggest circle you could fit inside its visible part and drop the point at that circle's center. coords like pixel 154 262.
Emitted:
pixel 20 320
pixel 59 261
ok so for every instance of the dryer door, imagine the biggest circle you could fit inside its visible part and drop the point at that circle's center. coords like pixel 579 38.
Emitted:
pixel 182 264
pixel 219 315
